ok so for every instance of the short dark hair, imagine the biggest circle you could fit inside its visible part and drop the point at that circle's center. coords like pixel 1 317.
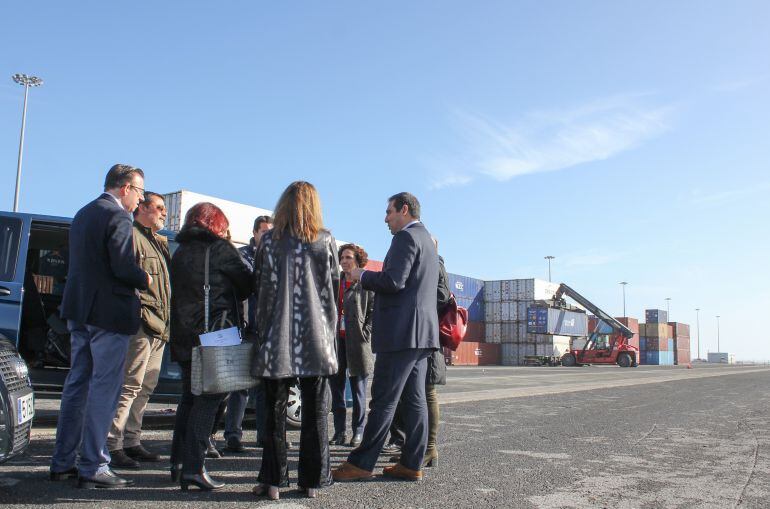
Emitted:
pixel 120 175
pixel 262 219
pixel 362 258
pixel 147 197
pixel 408 199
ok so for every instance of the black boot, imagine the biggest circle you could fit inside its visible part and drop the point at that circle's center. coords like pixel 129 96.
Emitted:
pixel 202 481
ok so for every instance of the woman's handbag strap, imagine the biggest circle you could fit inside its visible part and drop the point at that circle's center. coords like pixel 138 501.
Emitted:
pixel 206 289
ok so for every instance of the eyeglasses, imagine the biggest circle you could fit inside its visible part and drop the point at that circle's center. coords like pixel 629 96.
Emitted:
pixel 139 190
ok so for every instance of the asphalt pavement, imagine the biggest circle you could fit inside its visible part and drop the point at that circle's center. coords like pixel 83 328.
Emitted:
pixel 649 437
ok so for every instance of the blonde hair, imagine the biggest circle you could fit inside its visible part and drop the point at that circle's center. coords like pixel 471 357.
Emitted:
pixel 298 212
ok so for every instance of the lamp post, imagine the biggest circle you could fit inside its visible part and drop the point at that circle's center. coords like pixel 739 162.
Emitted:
pixel 697 325
pixel 26 82
pixel 549 258
pixel 623 284
pixel 718 349
pixel 668 309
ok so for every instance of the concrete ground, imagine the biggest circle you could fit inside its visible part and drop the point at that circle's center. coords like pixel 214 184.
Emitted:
pixel 587 437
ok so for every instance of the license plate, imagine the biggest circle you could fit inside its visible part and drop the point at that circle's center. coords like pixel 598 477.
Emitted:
pixel 25 408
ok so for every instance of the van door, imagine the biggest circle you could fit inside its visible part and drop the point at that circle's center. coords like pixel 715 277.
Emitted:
pixel 11 275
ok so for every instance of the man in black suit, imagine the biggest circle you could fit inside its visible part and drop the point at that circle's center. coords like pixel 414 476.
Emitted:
pixel 101 306
pixel 404 334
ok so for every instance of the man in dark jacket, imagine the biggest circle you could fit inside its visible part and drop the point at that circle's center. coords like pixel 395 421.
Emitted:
pixel 236 403
pixel 405 333
pixel 101 306
pixel 145 348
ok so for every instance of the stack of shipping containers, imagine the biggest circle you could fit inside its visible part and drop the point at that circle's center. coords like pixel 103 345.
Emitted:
pixel 681 342
pixel 473 351
pixel 657 339
pixel 505 316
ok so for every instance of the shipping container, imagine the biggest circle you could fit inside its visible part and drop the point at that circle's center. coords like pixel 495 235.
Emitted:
pixel 513 354
pixel 680 329
pixel 682 356
pixel 492 311
pixel 492 332
pixel 475 308
pixel 475 332
pixel 599 326
pixel 659 358
pixel 578 343
pixel 467 354
pixel 633 325
pixel 682 343
pixel 656 316
pixel 489 354
pixel 560 345
pixel 654 330
pixel 546 320
pixel 656 344
pixel 492 291
pixel 374 265
pixel 721 357
pixel 514 311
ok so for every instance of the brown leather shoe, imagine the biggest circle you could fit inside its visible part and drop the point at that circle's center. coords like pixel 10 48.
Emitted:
pixel 399 471
pixel 350 472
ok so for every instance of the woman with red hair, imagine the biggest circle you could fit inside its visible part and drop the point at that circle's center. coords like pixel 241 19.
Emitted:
pixel 205 230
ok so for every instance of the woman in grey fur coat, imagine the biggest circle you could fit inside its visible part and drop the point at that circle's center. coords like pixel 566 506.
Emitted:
pixel 296 280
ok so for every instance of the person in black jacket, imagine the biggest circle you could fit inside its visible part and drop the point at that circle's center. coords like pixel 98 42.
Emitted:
pixel 436 376
pixel 230 282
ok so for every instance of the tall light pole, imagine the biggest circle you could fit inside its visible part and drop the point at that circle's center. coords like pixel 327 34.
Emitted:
pixel 549 258
pixel 718 349
pixel 668 309
pixel 697 324
pixel 623 284
pixel 26 82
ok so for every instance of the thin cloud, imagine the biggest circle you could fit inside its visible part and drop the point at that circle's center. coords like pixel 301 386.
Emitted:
pixel 450 180
pixel 699 197
pixel 558 139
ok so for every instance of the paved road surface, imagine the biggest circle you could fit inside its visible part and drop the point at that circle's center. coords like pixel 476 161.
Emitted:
pixel 516 437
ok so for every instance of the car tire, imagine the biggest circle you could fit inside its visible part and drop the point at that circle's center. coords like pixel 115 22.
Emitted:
pixel 568 360
pixel 294 407
pixel 6 426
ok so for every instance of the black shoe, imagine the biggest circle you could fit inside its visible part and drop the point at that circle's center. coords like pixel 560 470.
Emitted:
pixel 139 453
pixel 234 444
pixel 211 449
pixel 71 473
pixel 338 438
pixel 391 448
pixel 119 459
pixel 176 473
pixel 106 480
pixel 356 440
pixel 202 481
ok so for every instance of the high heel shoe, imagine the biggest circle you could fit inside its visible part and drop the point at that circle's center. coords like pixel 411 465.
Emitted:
pixel 176 473
pixel 430 459
pixel 265 490
pixel 202 481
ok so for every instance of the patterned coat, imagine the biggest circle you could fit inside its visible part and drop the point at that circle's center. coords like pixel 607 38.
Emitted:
pixel 296 286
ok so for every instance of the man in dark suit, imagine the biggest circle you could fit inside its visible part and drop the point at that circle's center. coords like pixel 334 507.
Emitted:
pixel 101 306
pixel 404 334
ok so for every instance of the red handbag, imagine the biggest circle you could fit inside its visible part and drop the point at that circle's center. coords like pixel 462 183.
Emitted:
pixel 452 324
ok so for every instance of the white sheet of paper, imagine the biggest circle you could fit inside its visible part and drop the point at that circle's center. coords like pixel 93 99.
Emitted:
pixel 224 337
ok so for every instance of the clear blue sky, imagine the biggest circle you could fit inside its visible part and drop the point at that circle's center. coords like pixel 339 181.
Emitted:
pixel 630 140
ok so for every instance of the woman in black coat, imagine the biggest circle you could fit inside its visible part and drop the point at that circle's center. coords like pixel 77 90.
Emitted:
pixel 205 228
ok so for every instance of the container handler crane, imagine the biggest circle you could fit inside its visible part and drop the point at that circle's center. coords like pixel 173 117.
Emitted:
pixel 615 351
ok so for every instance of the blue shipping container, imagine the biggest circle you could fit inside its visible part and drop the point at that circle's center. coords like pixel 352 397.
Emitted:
pixel 465 287
pixel 656 316
pixel 642 343
pixel 544 320
pixel 659 358
pixel 475 308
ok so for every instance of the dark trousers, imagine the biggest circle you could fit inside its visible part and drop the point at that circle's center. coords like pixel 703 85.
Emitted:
pixel 357 388
pixel 195 419
pixel 397 375
pixel 313 470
